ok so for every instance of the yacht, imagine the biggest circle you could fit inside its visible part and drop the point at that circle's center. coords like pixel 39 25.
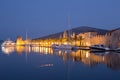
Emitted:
pixel 117 50
pixel 8 50
pixel 8 43
pixel 98 48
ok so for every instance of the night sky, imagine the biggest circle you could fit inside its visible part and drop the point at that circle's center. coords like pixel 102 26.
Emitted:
pixel 42 17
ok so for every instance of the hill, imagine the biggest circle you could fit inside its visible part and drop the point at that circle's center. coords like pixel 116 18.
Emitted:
pixel 76 31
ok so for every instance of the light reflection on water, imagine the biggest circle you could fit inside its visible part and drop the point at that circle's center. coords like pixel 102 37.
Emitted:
pixel 40 63
pixel 109 59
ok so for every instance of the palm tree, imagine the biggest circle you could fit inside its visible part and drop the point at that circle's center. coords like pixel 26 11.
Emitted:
pixel 80 39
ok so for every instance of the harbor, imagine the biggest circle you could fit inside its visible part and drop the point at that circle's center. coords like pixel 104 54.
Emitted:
pixel 59 40
pixel 80 41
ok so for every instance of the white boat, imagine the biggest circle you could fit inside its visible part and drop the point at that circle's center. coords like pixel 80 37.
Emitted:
pixel 62 46
pixel 98 48
pixel 8 43
pixel 66 46
pixel 8 49
pixel 117 50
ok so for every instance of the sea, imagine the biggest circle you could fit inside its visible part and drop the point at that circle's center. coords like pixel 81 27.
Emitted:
pixel 43 63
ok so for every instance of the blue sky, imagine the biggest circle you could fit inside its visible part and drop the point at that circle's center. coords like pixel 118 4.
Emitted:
pixel 43 17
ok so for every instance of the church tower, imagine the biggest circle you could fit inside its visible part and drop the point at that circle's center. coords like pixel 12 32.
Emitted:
pixel 65 34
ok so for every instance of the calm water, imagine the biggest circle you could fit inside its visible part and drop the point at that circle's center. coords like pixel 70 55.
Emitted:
pixel 36 63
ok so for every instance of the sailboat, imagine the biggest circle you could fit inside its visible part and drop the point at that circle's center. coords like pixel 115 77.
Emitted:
pixel 27 43
pixel 66 45
pixel 62 46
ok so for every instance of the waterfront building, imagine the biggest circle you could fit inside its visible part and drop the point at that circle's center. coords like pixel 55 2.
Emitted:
pixel 86 36
pixel 20 41
pixel 109 39
pixel 113 38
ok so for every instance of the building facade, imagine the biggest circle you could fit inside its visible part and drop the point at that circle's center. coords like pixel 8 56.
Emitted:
pixel 111 39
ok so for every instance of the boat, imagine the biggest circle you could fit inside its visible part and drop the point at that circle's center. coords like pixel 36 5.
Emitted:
pixel 100 47
pixel 117 50
pixel 8 49
pixel 8 43
pixel 62 46
pixel 67 45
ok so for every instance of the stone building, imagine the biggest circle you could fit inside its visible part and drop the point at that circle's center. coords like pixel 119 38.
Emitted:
pixel 86 37
pixel 98 39
pixel 110 39
pixel 113 38
pixel 65 34
pixel 20 41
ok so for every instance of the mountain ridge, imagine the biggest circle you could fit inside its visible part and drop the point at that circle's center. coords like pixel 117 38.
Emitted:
pixel 77 30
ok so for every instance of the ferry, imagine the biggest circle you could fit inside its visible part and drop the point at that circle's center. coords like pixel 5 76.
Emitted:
pixel 8 43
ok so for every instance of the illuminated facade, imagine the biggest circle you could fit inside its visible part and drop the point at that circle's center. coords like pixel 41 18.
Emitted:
pixel 113 38
pixel 110 39
pixel 19 41
pixel 65 35
pixel 87 36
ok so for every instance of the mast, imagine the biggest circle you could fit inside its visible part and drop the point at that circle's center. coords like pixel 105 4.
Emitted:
pixel 69 31
pixel 26 47
pixel 26 35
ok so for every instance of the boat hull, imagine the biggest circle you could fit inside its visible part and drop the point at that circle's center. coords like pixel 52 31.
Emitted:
pixel 95 49
pixel 68 47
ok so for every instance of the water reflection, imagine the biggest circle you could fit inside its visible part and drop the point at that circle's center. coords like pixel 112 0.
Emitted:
pixel 46 65
pixel 21 49
pixel 42 50
pixel 8 50
pixel 111 60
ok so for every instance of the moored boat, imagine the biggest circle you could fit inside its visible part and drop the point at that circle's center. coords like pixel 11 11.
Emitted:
pixel 62 46
pixel 117 50
pixel 98 48
pixel 8 49
pixel 8 43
